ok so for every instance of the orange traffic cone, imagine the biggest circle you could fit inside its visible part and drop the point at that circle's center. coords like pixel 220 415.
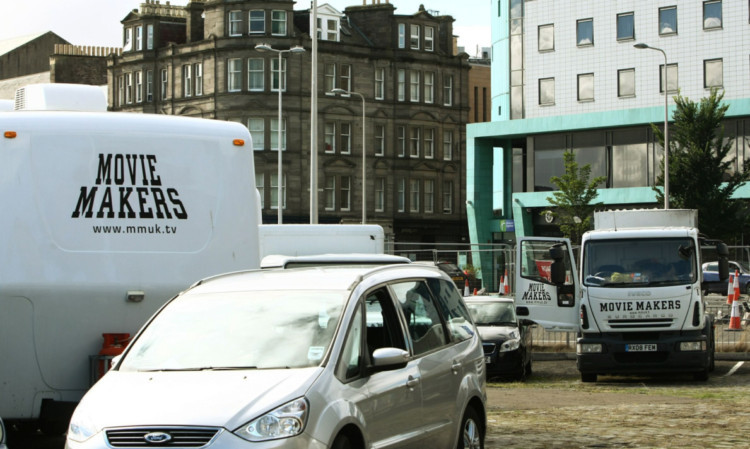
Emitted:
pixel 730 289
pixel 506 284
pixel 466 288
pixel 735 323
pixel 475 291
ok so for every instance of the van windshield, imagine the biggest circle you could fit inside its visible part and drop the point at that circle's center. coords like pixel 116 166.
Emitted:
pixel 641 262
pixel 238 330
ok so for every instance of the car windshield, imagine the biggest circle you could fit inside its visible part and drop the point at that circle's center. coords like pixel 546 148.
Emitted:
pixel 492 313
pixel 642 262
pixel 238 330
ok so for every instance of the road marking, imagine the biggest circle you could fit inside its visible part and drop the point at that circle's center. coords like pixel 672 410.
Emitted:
pixel 734 369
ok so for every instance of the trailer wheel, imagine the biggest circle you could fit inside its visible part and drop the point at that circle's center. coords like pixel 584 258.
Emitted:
pixel 588 377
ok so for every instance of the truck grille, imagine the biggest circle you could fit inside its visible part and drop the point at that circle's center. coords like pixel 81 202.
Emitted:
pixel 644 323
pixel 170 436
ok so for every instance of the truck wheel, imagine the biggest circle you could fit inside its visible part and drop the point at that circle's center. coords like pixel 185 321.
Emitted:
pixel 588 377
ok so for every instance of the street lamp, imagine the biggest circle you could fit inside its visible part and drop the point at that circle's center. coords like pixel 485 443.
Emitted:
pixel 295 49
pixel 641 46
pixel 364 152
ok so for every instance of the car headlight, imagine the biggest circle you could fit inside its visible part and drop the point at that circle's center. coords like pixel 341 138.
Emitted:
pixel 81 427
pixel 510 345
pixel 284 422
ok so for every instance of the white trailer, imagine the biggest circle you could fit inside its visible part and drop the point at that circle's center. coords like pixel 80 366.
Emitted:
pixel 105 216
pixel 635 298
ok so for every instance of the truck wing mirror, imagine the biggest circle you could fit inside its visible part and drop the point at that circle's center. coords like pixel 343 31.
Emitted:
pixel 557 268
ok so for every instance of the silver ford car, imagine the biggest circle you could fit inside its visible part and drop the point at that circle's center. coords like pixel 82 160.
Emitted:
pixel 314 357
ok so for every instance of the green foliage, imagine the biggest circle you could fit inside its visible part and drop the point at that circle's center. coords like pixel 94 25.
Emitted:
pixel 573 198
pixel 702 171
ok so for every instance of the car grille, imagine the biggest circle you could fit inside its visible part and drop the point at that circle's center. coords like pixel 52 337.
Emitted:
pixel 489 348
pixel 178 436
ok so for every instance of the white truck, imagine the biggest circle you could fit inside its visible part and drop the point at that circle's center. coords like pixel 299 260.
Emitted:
pixel 635 297
pixel 105 217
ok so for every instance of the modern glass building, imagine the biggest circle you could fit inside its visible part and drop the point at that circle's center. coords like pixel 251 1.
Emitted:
pixel 567 77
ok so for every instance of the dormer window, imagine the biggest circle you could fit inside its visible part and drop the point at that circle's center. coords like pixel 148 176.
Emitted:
pixel 278 23
pixel 127 44
pixel 429 38
pixel 328 29
pixel 139 38
pixel 414 37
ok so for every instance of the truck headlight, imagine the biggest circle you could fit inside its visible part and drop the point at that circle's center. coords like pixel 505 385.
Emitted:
pixel 588 348
pixel 284 422
pixel 693 346
pixel 81 427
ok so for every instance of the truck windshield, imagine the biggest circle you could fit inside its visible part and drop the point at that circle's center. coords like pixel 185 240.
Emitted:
pixel 642 262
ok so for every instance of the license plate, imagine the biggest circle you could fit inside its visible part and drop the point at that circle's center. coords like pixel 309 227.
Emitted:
pixel 640 348
pixel 487 359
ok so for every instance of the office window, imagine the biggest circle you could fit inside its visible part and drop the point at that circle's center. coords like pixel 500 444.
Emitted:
pixel 448 90
pixel 401 141
pixel 379 194
pixel 414 37
pixel 414 195
pixel 586 87
pixel 379 140
pixel 429 143
pixel 198 71
pixel 346 193
pixel 712 14
pixel 346 77
pixel 275 75
pixel 401 35
pixel 414 142
pixel 546 91
pixel 235 23
pixel 447 197
pixel 330 137
pixel 234 75
pixel 625 26
pixel 257 21
pixel 138 38
pixel 379 84
pixel 149 86
pixel 257 129
pixel 585 32
pixel 346 137
pixel 260 179
pixel 713 73
pixel 401 195
pixel 164 84
pixel 429 87
pixel 278 23
pixel 149 37
pixel 329 78
pixel 447 145
pixel 139 87
pixel 668 20
pixel 330 193
pixel 275 191
pixel 672 76
pixel 401 80
pixel 256 74
pixel 429 196
pixel 129 88
pixel 626 83
pixel 546 37
pixel 275 134
pixel 429 38
pixel 414 85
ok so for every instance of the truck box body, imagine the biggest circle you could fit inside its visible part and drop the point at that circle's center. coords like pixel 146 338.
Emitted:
pixel 105 217
pixel 645 218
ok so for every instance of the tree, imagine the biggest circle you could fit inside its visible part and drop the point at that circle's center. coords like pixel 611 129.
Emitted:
pixel 701 169
pixel 573 198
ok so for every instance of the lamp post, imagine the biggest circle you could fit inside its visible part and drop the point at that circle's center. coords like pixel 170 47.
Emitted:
pixel 279 179
pixel 364 150
pixel 641 46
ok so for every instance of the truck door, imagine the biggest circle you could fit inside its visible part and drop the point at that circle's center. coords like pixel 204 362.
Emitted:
pixel 547 290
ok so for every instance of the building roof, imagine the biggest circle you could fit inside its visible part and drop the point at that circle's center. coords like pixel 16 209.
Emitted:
pixel 8 45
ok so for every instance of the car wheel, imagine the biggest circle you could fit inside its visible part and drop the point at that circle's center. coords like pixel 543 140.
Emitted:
pixel 588 377
pixel 472 432
pixel 747 288
pixel 342 441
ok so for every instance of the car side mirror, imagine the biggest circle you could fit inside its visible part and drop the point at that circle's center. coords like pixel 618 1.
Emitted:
pixel 384 359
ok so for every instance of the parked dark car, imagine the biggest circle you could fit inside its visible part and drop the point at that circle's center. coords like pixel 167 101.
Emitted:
pixel 505 339
pixel 712 284
pixel 452 270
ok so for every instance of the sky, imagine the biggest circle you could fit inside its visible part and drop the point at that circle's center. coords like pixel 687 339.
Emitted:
pixel 97 22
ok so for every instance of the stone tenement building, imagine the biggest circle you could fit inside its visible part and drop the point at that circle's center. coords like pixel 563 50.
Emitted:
pixel 201 60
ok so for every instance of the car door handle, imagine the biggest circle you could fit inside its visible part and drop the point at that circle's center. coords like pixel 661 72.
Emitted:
pixel 412 382
pixel 456 367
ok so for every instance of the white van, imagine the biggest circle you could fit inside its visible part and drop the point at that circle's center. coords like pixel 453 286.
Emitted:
pixel 105 217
